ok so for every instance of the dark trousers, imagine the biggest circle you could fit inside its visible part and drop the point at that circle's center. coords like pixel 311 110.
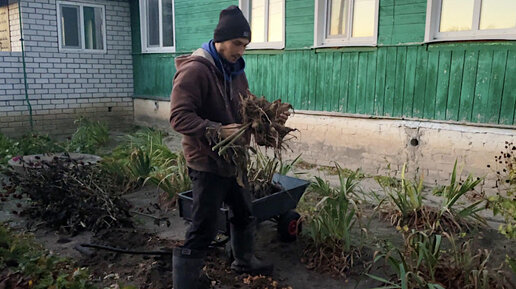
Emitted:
pixel 209 192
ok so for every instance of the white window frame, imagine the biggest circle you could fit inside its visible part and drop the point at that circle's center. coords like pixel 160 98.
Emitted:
pixel 81 27
pixel 244 6
pixel 143 29
pixel 433 19
pixel 321 24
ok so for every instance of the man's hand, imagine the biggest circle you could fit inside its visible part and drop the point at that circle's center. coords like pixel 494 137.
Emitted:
pixel 282 118
pixel 229 129
pixel 232 128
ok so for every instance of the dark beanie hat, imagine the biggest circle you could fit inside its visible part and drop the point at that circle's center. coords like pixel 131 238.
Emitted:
pixel 232 24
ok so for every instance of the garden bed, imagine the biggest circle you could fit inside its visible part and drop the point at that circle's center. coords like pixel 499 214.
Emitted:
pixel 156 226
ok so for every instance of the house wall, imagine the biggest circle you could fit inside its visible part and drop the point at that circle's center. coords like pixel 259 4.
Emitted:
pixel 64 86
pixel 361 106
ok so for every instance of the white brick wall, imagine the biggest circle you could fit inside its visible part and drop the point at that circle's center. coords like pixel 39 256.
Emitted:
pixel 14 23
pixel 63 86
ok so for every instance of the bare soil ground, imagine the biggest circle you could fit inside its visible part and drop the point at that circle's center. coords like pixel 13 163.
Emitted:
pixel 146 271
pixel 109 269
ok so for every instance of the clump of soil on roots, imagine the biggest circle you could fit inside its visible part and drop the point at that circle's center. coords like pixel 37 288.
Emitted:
pixel 262 121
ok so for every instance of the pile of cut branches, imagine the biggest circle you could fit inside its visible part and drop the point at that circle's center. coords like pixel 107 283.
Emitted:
pixel 72 196
pixel 262 120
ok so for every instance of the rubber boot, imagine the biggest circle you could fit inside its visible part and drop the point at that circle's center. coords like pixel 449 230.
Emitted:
pixel 242 244
pixel 187 265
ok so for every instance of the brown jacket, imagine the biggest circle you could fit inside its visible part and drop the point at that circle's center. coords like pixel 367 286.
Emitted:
pixel 201 99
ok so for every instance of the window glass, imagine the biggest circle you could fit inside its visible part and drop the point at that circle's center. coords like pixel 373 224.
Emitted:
pixel 275 20
pixel 167 23
pixel 498 14
pixel 452 20
pixel 153 22
pixel 363 18
pixel 70 34
pixel 93 38
pixel 337 15
pixel 257 20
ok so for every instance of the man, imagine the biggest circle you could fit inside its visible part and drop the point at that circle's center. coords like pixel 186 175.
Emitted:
pixel 205 102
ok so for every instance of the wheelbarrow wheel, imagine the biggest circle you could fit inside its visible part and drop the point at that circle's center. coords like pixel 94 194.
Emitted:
pixel 289 226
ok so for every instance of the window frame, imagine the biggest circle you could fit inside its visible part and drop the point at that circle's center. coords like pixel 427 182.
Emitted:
pixel 321 23
pixel 433 19
pixel 81 27
pixel 244 6
pixel 143 29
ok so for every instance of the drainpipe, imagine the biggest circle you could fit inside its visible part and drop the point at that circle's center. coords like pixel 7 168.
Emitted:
pixel 29 106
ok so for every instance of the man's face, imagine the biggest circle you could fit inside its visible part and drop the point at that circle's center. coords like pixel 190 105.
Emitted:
pixel 232 49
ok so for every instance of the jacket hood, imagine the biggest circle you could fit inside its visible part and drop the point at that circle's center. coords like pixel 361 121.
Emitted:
pixel 200 55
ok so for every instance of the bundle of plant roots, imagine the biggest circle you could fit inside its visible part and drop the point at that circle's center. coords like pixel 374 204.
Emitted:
pixel 72 196
pixel 261 120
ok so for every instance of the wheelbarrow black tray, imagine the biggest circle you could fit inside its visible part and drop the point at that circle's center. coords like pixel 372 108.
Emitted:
pixel 263 208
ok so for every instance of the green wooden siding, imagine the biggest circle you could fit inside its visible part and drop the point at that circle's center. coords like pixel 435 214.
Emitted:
pixel 299 23
pixel 401 77
pixel 472 85
pixel 153 75
pixel 196 20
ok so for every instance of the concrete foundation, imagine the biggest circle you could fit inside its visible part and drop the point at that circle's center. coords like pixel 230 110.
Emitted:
pixel 380 146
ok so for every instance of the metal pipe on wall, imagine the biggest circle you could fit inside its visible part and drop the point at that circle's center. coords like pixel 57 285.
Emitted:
pixel 29 106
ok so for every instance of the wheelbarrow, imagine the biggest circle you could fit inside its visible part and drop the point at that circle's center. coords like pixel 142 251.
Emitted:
pixel 279 206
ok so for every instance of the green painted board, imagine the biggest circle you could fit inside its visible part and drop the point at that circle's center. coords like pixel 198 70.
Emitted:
pixel 494 98
pixel 344 82
pixel 390 80
pixel 431 84
pixel 312 78
pixel 485 63
pixel 379 94
pixel 299 23
pixel 508 107
pixel 362 83
pixel 371 82
pixel 420 83
pixel 336 80
pixel 410 79
pixel 468 85
pixel 400 81
pixel 353 83
pixel 325 102
pixel 135 26
pixel 443 80
pixel 455 86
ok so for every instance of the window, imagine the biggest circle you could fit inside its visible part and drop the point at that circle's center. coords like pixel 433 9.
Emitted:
pixel 470 19
pixel 346 22
pixel 81 27
pixel 267 20
pixel 157 26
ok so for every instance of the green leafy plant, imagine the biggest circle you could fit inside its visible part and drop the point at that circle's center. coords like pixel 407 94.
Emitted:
pixel 33 267
pixel 423 263
pixel 260 172
pixel 449 212
pixel 32 144
pixel 141 155
pixel 5 149
pixel 329 225
pixel 287 167
pixel 408 203
pixel 88 137
pixel 173 179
